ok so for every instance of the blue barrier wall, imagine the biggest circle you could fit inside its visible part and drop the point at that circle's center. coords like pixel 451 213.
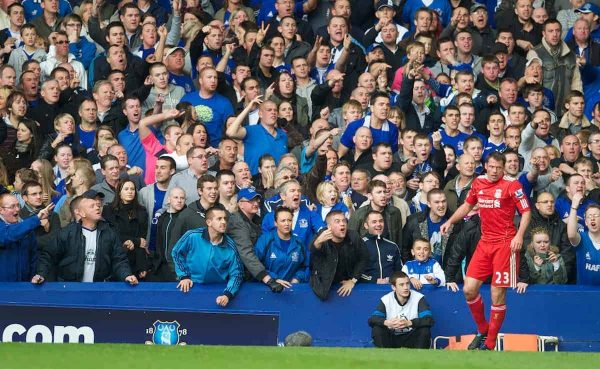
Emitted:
pixel 570 312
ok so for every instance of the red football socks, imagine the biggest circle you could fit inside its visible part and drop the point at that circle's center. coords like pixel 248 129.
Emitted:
pixel 497 314
pixel 476 307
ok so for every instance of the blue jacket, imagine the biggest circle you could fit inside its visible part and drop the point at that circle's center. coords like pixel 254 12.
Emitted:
pixel 18 250
pixel 84 51
pixel 306 227
pixel 281 263
pixel 197 259
pixel 384 258
pixel 271 204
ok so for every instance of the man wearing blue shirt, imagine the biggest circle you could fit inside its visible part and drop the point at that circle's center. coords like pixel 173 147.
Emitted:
pixel 381 129
pixel 586 243
pixel 212 108
pixel 262 138
pixel 208 255
pixel 129 137
pixel 450 134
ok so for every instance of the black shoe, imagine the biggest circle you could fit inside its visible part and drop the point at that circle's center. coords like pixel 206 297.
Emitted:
pixel 484 347
pixel 477 342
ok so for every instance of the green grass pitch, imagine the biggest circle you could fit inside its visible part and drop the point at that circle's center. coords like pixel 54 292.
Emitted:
pixel 101 356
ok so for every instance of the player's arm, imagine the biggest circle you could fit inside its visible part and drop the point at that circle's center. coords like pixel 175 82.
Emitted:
pixel 572 226
pixel 517 241
pixel 458 215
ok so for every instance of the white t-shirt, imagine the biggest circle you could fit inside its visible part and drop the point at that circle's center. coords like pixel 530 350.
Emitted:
pixel 89 267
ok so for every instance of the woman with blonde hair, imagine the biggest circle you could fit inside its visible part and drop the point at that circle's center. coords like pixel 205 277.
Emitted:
pixel 46 177
pixel 5 91
pixel 230 9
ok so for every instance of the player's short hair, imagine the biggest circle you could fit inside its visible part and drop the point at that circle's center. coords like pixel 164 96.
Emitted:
pixel 497 156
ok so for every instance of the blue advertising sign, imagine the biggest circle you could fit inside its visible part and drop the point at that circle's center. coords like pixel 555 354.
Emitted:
pixel 78 325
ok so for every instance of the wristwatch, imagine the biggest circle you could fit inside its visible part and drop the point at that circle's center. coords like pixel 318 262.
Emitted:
pixel 354 280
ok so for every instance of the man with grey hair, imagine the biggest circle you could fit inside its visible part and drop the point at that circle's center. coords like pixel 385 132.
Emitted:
pixel 307 222
pixel 48 107
pixel 188 179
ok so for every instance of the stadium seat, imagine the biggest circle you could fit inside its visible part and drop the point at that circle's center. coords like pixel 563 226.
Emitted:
pixel 455 342
pixel 525 342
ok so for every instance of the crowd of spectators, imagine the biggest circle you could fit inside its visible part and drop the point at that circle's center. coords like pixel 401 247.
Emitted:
pixel 293 141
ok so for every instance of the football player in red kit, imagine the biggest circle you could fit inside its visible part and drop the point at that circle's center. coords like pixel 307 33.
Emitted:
pixel 497 253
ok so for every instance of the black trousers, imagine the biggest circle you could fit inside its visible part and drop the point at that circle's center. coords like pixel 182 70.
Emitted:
pixel 417 338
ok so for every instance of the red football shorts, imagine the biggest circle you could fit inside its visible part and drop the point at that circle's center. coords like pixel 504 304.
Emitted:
pixel 495 260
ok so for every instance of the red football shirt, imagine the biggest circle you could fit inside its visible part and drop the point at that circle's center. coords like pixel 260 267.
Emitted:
pixel 497 204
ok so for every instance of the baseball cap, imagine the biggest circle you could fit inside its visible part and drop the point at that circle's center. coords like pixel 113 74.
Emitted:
pixel 374 46
pixel 173 49
pixel 532 60
pixel 477 6
pixel 92 194
pixel 589 8
pixel 499 47
pixel 248 194
pixel 384 3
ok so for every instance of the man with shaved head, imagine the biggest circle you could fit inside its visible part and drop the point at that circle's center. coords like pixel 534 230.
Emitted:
pixel 457 189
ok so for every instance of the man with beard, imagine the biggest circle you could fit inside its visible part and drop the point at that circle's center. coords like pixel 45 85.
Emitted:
pixel 196 261
pixel 338 255
pixel 384 255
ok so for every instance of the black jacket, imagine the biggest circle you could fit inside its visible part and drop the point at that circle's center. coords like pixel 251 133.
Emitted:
pixel 384 258
pixel 334 263
pixel 43 238
pixel 162 263
pixel 47 151
pixel 131 228
pixel 44 114
pixel 416 227
pixel 558 237
pixel 67 255
pixel 410 114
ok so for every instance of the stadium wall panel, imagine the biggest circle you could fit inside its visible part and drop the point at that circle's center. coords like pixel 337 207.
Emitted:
pixel 570 312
